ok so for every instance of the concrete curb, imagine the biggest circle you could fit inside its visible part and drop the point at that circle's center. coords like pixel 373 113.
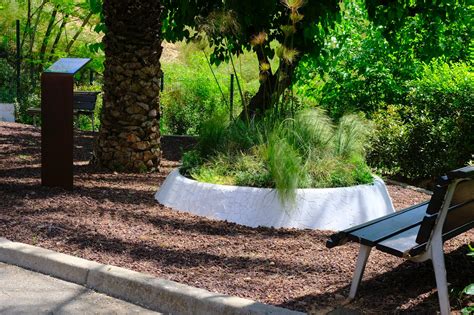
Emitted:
pixel 154 293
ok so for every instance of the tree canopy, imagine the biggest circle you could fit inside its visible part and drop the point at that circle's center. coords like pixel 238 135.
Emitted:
pixel 234 26
pixel 238 21
pixel 427 28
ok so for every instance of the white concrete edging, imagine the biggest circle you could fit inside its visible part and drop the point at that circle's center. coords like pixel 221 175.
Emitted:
pixel 324 209
pixel 154 293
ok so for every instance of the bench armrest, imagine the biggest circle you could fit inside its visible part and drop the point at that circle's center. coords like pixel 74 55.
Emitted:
pixel 465 172
pixel 337 240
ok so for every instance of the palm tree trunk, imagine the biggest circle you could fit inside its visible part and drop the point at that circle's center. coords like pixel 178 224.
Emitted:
pixel 129 138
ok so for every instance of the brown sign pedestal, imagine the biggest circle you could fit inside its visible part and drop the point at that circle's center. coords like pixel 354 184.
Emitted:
pixel 57 85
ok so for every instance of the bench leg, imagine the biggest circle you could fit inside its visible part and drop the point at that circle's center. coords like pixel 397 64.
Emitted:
pixel 437 256
pixel 364 253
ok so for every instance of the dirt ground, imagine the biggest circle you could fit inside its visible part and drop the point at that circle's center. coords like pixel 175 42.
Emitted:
pixel 114 219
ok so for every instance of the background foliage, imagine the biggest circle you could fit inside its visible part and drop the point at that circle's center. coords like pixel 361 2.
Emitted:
pixel 405 64
pixel 304 150
pixel 193 95
pixel 49 29
pixel 434 132
pixel 413 76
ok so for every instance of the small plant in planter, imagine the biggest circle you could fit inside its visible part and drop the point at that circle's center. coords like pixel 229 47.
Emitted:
pixel 292 171
pixel 238 164
pixel 306 150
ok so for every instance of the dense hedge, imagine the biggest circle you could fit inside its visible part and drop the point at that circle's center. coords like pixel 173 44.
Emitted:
pixel 7 85
pixel 434 130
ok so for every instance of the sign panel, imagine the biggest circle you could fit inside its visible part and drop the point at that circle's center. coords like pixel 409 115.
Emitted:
pixel 68 65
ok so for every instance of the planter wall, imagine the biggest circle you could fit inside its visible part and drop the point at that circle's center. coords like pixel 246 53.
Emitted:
pixel 323 209
pixel 7 112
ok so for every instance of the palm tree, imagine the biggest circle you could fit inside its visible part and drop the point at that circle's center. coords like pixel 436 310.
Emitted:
pixel 129 138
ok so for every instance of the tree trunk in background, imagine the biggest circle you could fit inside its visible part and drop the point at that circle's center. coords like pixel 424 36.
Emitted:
pixel 270 90
pixel 129 138
pixel 79 31
pixel 58 36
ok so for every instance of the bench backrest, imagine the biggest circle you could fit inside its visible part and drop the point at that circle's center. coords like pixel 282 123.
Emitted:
pixel 85 100
pixel 460 215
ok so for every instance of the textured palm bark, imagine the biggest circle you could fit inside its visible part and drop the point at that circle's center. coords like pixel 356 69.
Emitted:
pixel 129 138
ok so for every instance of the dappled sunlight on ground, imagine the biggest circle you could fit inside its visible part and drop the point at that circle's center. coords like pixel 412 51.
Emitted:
pixel 113 219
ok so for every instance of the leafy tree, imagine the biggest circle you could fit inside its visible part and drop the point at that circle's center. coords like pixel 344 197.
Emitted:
pixel 234 26
pixel 354 71
pixel 367 60
pixel 49 29
pixel 424 29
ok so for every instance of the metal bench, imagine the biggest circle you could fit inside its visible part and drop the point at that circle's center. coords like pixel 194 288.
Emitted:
pixel 84 104
pixel 417 233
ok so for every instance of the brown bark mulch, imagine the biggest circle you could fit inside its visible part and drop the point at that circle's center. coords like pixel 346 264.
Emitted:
pixel 113 219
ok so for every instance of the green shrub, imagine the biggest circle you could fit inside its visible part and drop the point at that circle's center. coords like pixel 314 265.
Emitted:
pixel 7 82
pixel 191 160
pixel 434 131
pixel 306 151
pixel 192 95
pixel 356 69
pixel 190 98
pixel 286 166
pixel 26 101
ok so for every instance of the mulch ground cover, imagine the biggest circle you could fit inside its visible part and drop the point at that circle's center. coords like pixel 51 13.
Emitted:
pixel 114 219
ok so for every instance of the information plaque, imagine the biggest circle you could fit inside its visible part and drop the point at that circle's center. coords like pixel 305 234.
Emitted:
pixel 68 65
pixel 57 85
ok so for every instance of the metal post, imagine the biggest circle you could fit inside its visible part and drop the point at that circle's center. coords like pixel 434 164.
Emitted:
pixel 57 98
pixel 91 77
pixel 364 253
pixel 56 130
pixel 231 103
pixel 162 81
pixel 18 59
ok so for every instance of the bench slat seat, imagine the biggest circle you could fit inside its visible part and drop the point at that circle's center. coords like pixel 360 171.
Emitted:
pixel 400 244
pixel 377 230
pixel 83 104
pixel 85 101
pixel 417 233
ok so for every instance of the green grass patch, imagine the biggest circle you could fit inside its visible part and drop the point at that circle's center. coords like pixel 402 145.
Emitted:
pixel 304 151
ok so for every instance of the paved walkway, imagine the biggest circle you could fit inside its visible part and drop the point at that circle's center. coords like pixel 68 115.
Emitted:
pixel 26 292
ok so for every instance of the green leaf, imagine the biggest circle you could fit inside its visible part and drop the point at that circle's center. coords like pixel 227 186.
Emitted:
pixel 100 28
pixel 469 289
pixel 467 310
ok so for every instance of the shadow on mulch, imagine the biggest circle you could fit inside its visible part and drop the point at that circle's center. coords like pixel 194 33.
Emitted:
pixel 114 219
pixel 398 286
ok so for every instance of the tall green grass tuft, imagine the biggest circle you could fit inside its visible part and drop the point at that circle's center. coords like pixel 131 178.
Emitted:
pixel 304 151
pixel 286 167
pixel 351 135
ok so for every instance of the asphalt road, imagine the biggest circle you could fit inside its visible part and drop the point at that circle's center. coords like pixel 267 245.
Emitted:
pixel 26 292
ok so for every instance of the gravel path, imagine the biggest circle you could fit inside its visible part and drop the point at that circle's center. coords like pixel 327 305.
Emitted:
pixel 113 219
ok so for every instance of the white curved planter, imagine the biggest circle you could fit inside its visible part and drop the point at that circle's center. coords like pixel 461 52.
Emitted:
pixel 324 209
